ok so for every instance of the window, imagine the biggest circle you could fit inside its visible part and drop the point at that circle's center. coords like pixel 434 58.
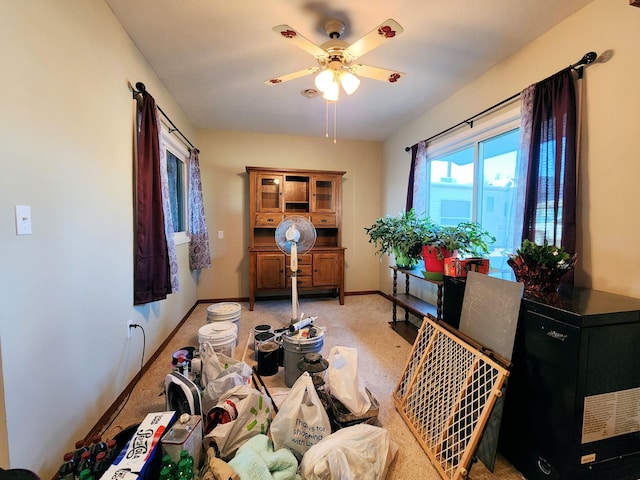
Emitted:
pixel 473 176
pixel 177 176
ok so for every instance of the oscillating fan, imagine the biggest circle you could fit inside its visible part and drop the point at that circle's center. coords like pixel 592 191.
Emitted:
pixel 295 235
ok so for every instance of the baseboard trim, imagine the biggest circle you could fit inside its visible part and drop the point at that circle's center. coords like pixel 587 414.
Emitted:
pixel 102 422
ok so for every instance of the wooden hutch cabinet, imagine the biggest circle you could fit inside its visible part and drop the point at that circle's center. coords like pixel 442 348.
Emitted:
pixel 273 195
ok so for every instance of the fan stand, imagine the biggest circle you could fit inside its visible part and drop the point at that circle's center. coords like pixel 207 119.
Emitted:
pixel 294 282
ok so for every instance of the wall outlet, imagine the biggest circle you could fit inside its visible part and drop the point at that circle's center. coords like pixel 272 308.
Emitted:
pixel 129 328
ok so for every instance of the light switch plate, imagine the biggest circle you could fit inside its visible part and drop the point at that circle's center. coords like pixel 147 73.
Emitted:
pixel 23 220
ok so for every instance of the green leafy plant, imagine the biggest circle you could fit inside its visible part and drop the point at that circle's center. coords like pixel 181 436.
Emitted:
pixel 401 235
pixel 545 255
pixel 540 267
pixel 469 239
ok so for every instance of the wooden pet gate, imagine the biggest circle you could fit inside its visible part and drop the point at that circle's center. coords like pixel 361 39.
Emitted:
pixel 445 395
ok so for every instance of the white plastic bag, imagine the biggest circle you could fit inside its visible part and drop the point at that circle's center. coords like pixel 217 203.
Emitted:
pixel 253 416
pixel 343 382
pixel 359 452
pixel 213 364
pixel 302 420
pixel 220 373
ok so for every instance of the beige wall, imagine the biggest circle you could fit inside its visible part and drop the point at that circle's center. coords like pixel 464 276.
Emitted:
pixel 608 228
pixel 66 148
pixel 66 132
pixel 225 183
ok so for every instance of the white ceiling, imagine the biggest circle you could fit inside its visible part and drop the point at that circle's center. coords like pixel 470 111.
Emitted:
pixel 214 55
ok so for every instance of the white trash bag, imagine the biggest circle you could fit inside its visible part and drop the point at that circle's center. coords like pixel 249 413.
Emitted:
pixel 358 452
pixel 301 421
pixel 343 382
pixel 251 414
pixel 220 373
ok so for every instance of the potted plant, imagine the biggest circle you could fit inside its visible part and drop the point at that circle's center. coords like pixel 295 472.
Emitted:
pixel 540 267
pixel 466 239
pixel 401 235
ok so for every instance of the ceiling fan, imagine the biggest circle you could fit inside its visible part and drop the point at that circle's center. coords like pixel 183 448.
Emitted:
pixel 335 58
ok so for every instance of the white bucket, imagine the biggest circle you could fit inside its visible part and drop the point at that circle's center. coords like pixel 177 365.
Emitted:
pixel 222 336
pixel 225 312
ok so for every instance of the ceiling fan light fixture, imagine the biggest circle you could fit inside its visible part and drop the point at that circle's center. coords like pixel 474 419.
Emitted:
pixel 324 80
pixel 333 92
pixel 349 82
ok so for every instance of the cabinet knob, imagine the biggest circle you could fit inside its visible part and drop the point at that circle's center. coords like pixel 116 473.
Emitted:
pixel 324 220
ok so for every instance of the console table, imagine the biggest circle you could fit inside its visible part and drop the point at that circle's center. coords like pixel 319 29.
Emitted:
pixel 412 304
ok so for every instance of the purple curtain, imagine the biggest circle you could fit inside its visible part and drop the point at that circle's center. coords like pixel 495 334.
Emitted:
pixel 199 255
pixel 550 199
pixel 417 188
pixel 152 277
pixel 412 174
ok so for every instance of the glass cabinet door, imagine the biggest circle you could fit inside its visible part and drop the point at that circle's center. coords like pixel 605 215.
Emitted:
pixel 324 194
pixel 269 195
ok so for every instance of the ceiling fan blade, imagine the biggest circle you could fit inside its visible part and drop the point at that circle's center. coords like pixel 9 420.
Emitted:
pixel 307 45
pixel 377 73
pixel 385 31
pixel 292 76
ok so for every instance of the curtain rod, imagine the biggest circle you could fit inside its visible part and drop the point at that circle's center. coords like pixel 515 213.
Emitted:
pixel 587 59
pixel 141 89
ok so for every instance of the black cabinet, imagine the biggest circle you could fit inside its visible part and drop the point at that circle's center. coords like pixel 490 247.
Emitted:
pixel 572 406
pixel 453 295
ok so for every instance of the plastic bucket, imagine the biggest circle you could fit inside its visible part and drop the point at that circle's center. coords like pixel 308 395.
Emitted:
pixel 221 336
pixel 225 312
pixel 295 348
pixel 268 358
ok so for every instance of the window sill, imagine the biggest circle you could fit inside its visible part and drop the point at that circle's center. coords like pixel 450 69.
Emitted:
pixel 181 237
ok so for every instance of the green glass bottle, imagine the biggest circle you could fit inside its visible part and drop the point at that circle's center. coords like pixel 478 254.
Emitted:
pixel 185 455
pixel 86 474
pixel 185 470
pixel 166 474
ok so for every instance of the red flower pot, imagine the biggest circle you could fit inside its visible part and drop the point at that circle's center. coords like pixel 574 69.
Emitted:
pixel 431 261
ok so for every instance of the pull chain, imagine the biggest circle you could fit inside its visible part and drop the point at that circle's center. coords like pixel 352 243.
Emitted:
pixel 326 119
pixel 335 117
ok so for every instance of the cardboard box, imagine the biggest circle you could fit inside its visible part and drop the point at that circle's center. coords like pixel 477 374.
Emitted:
pixel 458 267
pixel 116 473
pixel 142 453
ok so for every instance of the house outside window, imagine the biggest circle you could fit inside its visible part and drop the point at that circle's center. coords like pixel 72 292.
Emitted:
pixel 473 176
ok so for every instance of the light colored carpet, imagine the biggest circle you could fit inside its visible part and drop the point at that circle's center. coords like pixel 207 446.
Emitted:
pixel 361 323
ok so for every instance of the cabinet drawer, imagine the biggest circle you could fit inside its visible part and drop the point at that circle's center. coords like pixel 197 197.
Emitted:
pixel 303 271
pixel 300 282
pixel 268 219
pixel 304 259
pixel 323 220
